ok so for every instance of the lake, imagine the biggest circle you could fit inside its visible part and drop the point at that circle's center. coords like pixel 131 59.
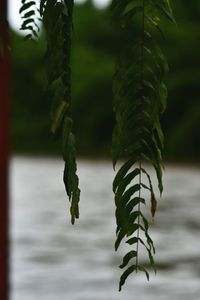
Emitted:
pixel 53 260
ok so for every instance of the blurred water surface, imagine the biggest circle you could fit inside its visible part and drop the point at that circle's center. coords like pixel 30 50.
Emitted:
pixel 53 260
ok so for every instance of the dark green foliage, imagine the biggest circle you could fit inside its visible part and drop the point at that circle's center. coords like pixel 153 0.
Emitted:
pixel 57 20
pixel 139 98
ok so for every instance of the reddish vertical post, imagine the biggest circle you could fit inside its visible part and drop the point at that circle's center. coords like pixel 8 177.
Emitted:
pixel 4 150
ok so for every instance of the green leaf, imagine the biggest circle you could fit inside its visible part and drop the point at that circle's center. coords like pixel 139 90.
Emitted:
pixel 26 6
pixel 145 186
pixel 150 242
pixel 125 275
pixel 122 172
pixel 132 227
pixel 28 37
pixel 149 179
pixel 133 202
pixel 149 85
pixel 165 8
pixel 42 6
pixel 120 236
pixel 159 132
pixel 161 58
pixel 70 178
pixel 162 90
pixel 67 127
pixel 134 215
pixel 126 181
pixel 29 14
pixel 128 194
pixel 28 21
pixel 151 259
pixel 135 240
pixel 127 258
pixel 74 209
pixel 156 165
pixel 59 114
pixel 153 21
pixel 142 269
pixel 146 223
pixel 132 241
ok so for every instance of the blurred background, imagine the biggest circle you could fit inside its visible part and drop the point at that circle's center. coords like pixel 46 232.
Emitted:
pixel 51 260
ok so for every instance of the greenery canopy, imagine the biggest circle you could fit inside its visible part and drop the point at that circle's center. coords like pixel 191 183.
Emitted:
pixel 140 97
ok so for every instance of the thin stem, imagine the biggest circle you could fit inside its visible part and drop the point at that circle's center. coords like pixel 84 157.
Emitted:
pixel 139 208
pixel 140 162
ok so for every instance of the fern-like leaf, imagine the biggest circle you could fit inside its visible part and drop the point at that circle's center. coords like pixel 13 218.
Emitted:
pixel 57 19
pixel 139 99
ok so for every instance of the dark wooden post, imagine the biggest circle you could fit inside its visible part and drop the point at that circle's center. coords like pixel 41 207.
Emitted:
pixel 4 150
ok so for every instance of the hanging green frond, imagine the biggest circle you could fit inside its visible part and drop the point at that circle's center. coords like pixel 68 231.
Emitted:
pixel 56 16
pixel 139 98
pixel 57 20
